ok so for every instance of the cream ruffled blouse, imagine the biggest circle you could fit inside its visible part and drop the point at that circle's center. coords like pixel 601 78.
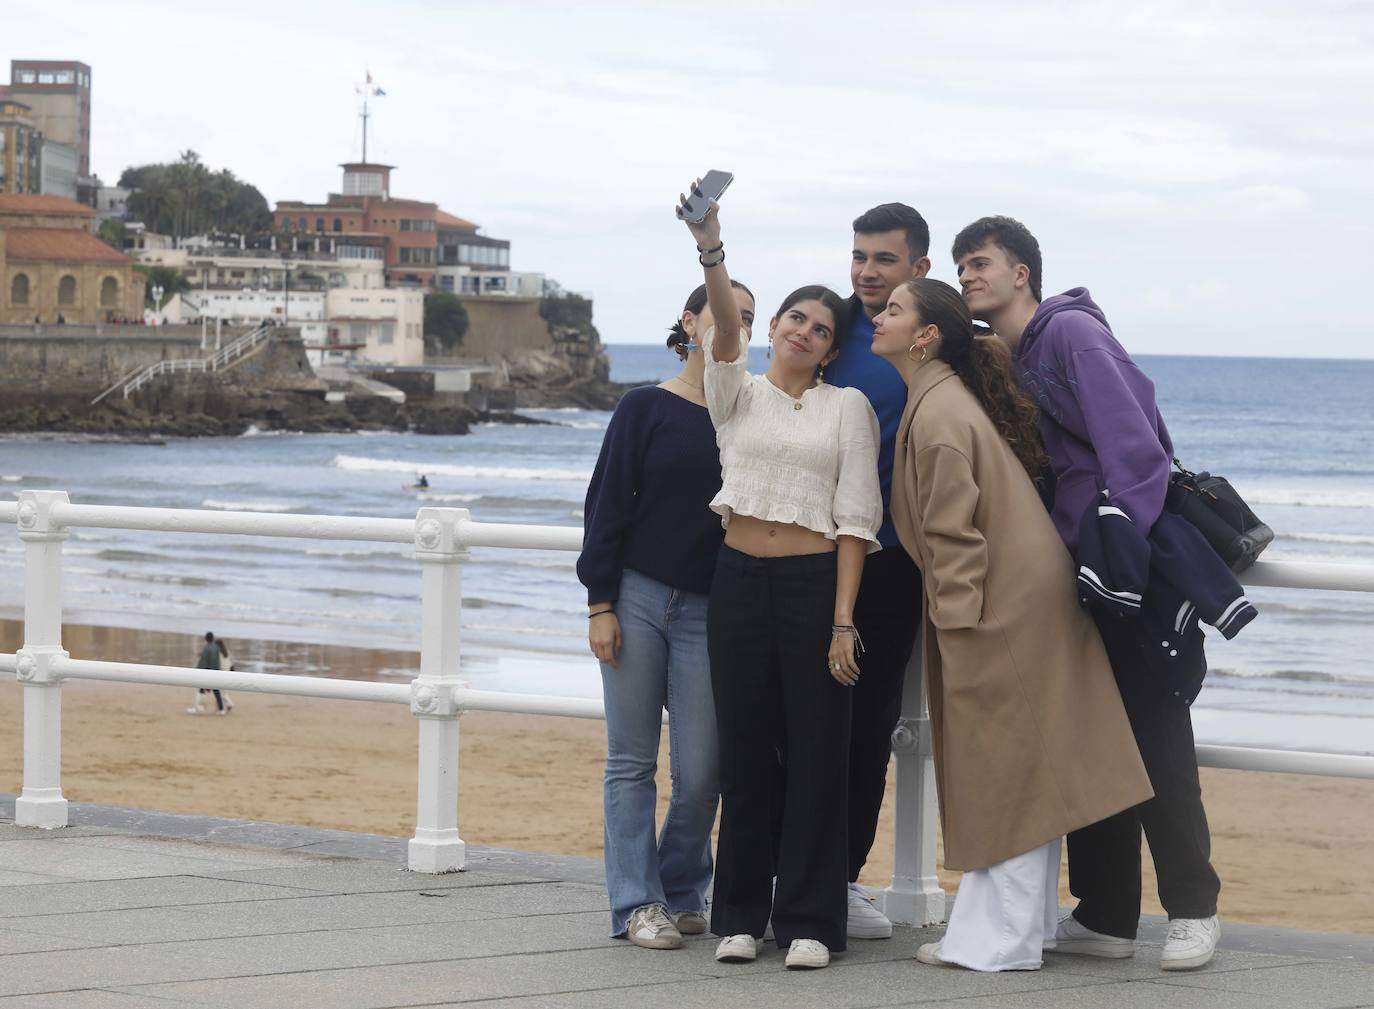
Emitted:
pixel 811 461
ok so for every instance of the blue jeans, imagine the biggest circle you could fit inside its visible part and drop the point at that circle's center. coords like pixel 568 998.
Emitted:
pixel 663 664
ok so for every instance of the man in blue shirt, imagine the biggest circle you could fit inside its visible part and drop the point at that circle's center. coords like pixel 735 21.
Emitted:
pixel 891 243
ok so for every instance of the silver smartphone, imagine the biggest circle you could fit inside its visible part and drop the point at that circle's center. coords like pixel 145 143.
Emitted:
pixel 711 188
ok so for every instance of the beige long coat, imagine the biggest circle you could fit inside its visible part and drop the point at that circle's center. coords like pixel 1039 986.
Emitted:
pixel 1030 738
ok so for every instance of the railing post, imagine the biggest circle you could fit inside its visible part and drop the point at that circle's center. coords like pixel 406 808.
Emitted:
pixel 41 803
pixel 436 846
pixel 915 897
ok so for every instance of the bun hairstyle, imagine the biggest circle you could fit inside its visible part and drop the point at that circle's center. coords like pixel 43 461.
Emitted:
pixel 696 301
pixel 983 364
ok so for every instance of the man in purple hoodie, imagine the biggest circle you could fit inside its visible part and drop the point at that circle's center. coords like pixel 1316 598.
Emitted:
pixel 1103 432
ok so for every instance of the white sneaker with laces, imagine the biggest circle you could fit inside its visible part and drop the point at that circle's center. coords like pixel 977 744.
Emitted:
pixel 740 948
pixel 807 954
pixel 651 928
pixel 1073 937
pixel 690 922
pixel 865 920
pixel 1190 943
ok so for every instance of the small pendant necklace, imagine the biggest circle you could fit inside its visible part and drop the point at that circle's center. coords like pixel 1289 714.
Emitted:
pixel 690 385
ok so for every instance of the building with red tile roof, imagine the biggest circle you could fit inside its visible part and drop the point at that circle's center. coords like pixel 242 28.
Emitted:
pixel 54 270
pixel 416 238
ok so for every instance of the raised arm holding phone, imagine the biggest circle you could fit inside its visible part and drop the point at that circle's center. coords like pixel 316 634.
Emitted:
pixel 801 506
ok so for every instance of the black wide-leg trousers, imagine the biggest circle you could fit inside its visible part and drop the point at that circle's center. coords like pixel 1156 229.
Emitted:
pixel 1104 858
pixel 783 724
pixel 887 613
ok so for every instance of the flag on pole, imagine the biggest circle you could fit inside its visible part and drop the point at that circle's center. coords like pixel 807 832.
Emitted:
pixel 369 76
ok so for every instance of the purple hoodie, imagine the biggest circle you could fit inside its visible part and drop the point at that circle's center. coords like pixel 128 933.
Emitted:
pixel 1098 416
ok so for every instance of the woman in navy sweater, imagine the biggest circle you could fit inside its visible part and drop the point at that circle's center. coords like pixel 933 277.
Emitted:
pixel 648 556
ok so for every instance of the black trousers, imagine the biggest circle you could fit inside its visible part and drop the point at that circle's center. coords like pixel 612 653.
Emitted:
pixel 887 614
pixel 1104 858
pixel 768 632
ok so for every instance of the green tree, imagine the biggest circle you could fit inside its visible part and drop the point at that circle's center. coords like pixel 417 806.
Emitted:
pixel 112 232
pixel 184 197
pixel 165 277
pixel 446 320
pixel 571 311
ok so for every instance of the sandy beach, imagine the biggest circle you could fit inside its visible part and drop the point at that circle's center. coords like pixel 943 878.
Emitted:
pixel 1291 850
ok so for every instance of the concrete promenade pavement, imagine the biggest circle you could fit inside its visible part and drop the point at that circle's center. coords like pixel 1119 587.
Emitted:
pixel 135 910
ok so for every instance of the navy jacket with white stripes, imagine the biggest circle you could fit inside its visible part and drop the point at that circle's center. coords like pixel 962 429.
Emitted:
pixel 1168 581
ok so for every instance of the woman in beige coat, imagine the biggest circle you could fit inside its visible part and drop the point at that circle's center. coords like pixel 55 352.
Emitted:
pixel 1030 738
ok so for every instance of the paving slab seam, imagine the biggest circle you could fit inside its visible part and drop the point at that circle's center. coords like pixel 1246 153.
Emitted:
pixel 331 930
pixel 1166 977
pixel 675 978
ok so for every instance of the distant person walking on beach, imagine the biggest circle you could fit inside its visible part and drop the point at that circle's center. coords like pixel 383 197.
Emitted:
pixel 801 506
pixel 648 556
pixel 226 664
pixel 209 659
pixel 1104 433
pixel 1030 736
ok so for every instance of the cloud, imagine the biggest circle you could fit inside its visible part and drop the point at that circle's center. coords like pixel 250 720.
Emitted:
pixel 1150 148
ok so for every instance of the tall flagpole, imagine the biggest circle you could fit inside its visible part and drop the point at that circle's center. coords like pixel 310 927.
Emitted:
pixel 368 89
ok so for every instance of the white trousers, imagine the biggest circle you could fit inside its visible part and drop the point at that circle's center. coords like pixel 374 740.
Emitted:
pixel 1004 913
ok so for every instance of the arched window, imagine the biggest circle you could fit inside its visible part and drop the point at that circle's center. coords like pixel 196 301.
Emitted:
pixel 338 224
pixel 19 289
pixel 287 224
pixel 303 224
pixel 66 290
pixel 319 224
pixel 109 293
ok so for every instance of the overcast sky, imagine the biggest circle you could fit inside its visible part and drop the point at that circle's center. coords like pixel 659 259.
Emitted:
pixel 1206 169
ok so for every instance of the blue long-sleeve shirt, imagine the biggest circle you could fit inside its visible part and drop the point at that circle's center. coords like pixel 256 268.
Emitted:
pixel 648 503
pixel 858 367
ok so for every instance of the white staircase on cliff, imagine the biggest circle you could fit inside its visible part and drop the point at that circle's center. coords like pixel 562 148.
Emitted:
pixel 221 360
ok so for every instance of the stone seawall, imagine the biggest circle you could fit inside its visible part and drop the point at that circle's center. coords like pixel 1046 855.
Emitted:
pixel 67 363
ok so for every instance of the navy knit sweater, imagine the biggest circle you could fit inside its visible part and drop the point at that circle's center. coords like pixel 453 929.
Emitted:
pixel 648 503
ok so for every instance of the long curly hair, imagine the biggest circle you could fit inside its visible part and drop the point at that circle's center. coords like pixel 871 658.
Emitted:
pixel 983 364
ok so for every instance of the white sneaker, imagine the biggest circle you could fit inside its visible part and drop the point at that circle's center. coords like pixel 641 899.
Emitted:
pixel 865 920
pixel 807 954
pixel 690 922
pixel 929 953
pixel 1190 943
pixel 740 948
pixel 1073 937
pixel 651 928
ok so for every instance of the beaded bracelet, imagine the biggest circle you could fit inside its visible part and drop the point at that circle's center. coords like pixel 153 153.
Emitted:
pixel 849 629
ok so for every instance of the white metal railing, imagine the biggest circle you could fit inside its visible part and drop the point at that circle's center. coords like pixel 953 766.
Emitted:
pixel 441 538
pixel 217 361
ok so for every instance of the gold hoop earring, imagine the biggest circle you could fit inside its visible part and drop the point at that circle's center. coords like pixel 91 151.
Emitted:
pixel 820 374
pixel 911 358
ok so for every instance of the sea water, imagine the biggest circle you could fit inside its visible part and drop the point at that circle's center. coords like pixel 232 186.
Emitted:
pixel 1296 437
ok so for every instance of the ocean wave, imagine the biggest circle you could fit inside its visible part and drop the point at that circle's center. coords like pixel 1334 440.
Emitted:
pixel 1310 499
pixel 1341 538
pixel 256 432
pixel 461 498
pixel 363 464
pixel 247 506
pixel 7 478
pixel 350 552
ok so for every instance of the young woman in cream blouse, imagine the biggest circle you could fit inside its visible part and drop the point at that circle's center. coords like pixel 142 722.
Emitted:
pixel 801 506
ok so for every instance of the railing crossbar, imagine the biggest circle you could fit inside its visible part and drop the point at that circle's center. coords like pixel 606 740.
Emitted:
pixel 441 539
